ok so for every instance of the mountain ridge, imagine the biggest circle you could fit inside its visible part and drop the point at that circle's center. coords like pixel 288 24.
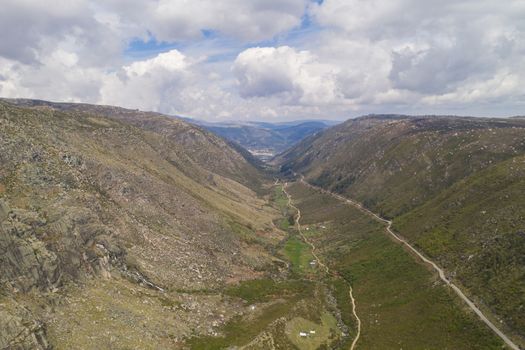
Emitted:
pixel 95 198
pixel 452 186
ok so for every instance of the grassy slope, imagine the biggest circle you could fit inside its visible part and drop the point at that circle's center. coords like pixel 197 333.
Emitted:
pixel 93 195
pixel 298 253
pixel 454 187
pixel 174 220
pixel 182 144
pixel 401 304
pixel 475 231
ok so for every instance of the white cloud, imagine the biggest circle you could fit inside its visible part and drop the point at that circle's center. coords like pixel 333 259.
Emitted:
pixel 171 61
pixel 32 30
pixel 171 20
pixel 357 15
pixel 54 78
pixel 298 77
pixel 355 57
pixel 440 52
pixel 149 84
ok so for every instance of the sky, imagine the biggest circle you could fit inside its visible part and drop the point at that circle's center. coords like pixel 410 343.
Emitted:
pixel 270 60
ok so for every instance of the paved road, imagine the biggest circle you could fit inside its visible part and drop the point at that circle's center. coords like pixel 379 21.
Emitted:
pixel 439 270
pixel 323 265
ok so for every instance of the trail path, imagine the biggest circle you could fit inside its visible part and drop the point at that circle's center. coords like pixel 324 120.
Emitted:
pixel 322 264
pixel 439 270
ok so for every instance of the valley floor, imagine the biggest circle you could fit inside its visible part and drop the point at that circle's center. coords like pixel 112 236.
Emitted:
pixel 319 262
pixel 348 286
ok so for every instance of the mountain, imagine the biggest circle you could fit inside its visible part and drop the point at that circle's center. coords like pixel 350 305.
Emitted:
pixel 122 229
pixel 454 187
pixel 265 139
pixel 188 138
pixel 110 219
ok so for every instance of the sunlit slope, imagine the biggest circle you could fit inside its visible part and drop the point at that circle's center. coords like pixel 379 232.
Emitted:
pixel 88 195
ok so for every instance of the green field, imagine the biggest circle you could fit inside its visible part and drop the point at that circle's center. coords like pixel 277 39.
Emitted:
pixel 323 331
pixel 280 201
pixel 298 253
pixel 280 311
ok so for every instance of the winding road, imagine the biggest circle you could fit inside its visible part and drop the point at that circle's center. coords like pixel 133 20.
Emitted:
pixel 322 264
pixel 439 270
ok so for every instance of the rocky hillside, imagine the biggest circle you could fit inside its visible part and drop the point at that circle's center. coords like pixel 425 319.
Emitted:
pixel 104 210
pixel 455 187
pixel 190 143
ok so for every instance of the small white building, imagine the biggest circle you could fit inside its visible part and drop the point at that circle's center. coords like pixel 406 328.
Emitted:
pixel 303 334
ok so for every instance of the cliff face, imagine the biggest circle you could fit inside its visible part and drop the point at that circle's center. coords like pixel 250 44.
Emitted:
pixel 93 193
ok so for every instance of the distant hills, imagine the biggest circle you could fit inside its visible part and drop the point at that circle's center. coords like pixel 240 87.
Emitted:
pixel 264 139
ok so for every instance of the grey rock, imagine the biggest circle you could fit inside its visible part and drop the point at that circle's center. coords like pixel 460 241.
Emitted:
pixel 25 262
pixel 18 331
pixel 4 210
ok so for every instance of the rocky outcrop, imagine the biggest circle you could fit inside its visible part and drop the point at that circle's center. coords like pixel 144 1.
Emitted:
pixel 19 331
pixel 25 262
pixel 38 253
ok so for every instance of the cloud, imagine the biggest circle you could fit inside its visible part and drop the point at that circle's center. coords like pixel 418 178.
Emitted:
pixel 435 51
pixel 298 77
pixel 383 19
pixel 437 69
pixel 268 71
pixel 149 84
pixel 171 61
pixel 56 77
pixel 173 20
pixel 33 29
pixel 250 20
pixel 268 58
